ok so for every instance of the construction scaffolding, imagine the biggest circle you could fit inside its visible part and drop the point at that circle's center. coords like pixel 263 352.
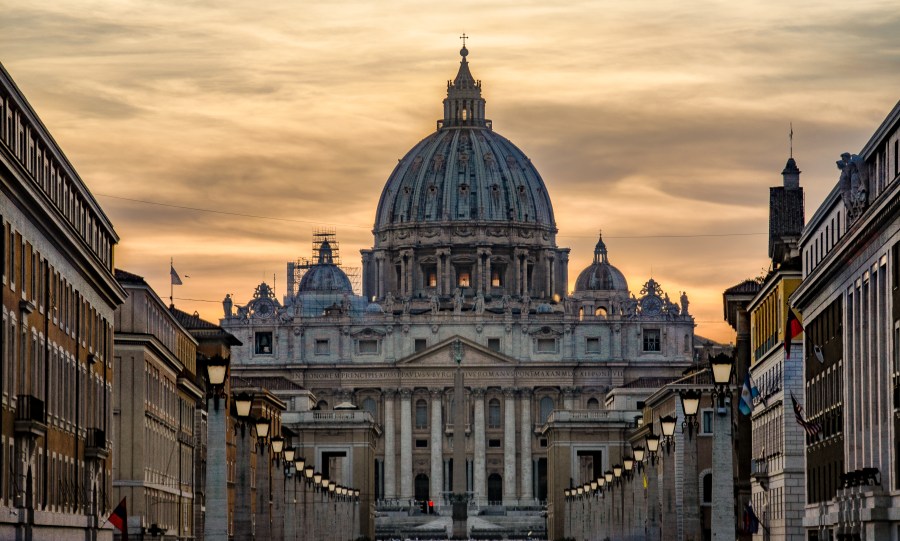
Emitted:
pixel 296 269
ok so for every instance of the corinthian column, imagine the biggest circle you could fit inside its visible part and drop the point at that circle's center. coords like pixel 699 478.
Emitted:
pixel 527 492
pixel 390 451
pixel 479 481
pixel 406 479
pixel 509 447
pixel 437 448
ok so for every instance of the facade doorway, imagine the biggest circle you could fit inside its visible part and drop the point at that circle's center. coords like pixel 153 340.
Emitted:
pixel 495 488
pixel 422 488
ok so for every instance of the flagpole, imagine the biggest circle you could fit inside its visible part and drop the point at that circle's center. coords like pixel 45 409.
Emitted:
pixel 171 282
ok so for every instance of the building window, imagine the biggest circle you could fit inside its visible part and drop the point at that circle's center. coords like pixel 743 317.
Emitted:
pixel 651 340
pixel 367 347
pixel 497 277
pixel 263 343
pixel 543 442
pixel 370 406
pixel 545 345
pixel 494 344
pixel 429 272
pixel 706 424
pixel 494 413
pixel 592 345
pixel 322 347
pixel 707 488
pixel 464 277
pixel 421 414
pixel 593 404
pixel 494 444
pixel 420 344
pixel 421 444
pixel 546 408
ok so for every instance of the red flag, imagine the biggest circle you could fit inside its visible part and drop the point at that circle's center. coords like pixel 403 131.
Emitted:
pixel 791 331
pixel 119 518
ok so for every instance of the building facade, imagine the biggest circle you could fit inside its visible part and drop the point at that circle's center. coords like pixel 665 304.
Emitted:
pixel 849 302
pixel 156 402
pixel 465 256
pixel 778 440
pixel 56 339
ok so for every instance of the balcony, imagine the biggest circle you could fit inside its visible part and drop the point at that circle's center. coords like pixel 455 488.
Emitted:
pixel 761 472
pixel 31 418
pixel 95 444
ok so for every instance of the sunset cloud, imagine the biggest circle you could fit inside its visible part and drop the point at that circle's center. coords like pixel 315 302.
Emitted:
pixel 644 119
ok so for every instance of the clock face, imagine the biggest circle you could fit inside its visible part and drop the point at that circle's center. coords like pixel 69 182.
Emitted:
pixel 264 308
pixel 651 306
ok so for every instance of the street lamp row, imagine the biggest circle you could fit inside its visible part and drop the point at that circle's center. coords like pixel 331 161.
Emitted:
pixel 722 369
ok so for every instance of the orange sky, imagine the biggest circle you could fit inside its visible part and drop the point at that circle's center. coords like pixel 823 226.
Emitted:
pixel 654 121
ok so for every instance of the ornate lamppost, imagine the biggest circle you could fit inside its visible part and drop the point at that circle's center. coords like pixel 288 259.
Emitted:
pixel 668 424
pixel 216 459
pixel 690 404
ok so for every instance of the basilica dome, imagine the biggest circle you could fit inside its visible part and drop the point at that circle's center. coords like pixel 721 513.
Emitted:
pixel 464 171
pixel 600 275
pixel 325 276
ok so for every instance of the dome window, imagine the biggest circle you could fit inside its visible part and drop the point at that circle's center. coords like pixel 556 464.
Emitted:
pixel 465 114
pixel 600 312
pixel 464 277
pixel 496 278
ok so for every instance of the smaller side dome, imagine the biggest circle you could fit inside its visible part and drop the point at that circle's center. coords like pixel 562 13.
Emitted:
pixel 325 276
pixel 600 275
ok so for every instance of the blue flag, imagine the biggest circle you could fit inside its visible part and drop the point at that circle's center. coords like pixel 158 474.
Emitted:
pixel 748 393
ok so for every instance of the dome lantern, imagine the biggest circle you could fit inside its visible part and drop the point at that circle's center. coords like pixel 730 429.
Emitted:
pixel 464 105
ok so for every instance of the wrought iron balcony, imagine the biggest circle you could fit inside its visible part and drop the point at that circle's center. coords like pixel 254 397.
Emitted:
pixel 31 418
pixel 95 444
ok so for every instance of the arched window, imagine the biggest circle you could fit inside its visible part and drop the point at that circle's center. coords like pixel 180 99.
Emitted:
pixel 546 408
pixel 593 404
pixel 600 311
pixel 707 488
pixel 421 414
pixel 370 406
pixel 494 413
pixel 321 405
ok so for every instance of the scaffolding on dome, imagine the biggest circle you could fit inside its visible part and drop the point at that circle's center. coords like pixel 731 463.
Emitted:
pixel 296 269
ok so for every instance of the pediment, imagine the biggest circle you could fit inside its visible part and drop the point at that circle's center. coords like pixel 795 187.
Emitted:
pixel 443 355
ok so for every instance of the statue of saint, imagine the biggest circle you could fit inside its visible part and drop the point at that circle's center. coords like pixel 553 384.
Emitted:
pixel 388 303
pixel 227 304
pixel 479 303
pixel 684 303
pixel 457 301
pixel 435 304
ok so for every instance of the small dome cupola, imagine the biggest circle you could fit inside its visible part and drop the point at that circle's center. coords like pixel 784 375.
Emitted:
pixel 464 105
pixel 600 275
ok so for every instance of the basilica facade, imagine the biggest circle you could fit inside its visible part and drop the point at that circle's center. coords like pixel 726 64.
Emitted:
pixel 465 265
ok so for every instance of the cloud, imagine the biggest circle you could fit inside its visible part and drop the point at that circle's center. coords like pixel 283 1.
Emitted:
pixel 643 119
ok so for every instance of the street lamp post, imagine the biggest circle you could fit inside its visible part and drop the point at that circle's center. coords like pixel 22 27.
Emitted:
pixel 216 524
pixel 723 517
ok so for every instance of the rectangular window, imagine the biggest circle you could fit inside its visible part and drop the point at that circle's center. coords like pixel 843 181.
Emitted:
pixel 592 345
pixel 321 347
pixel 368 347
pixel 497 278
pixel 543 442
pixel 494 444
pixel 651 340
pixel 420 344
pixel 546 345
pixel 263 341
pixel 421 444
pixel 494 344
pixel 430 275
pixel 706 422
pixel 464 278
